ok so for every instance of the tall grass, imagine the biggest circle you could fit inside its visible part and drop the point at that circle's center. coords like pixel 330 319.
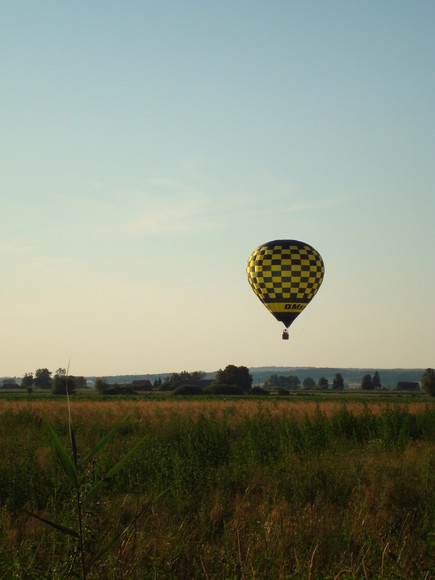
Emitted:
pixel 253 490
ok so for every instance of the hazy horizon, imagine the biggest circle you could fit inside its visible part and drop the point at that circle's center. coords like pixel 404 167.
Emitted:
pixel 253 369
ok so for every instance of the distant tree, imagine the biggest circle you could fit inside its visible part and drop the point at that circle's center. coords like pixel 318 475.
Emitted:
pixel 232 375
pixel 100 385
pixel 181 378
pixel 170 383
pixel 157 383
pixel 80 383
pixel 428 382
pixel 27 381
pixel 376 381
pixel 338 382
pixel 323 383
pixel 42 378
pixel 178 379
pixel 167 386
pixel 308 383
pixel 367 383
pixel 63 384
pixel 272 381
pixel 282 381
pixel 293 382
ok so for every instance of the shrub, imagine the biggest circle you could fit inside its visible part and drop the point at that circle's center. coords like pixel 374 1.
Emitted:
pixel 258 391
pixel 223 389
pixel 188 390
pixel 118 390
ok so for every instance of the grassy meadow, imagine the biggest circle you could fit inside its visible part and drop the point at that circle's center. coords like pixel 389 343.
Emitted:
pixel 219 488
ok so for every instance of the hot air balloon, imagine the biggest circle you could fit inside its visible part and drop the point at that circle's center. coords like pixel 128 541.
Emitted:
pixel 285 275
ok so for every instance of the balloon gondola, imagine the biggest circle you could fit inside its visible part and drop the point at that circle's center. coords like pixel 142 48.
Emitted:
pixel 285 275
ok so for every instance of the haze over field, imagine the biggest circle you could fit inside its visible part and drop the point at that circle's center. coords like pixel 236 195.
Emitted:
pixel 148 148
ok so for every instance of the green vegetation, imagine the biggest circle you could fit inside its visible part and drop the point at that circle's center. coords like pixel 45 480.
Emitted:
pixel 223 389
pixel 308 383
pixel 367 383
pixel 42 378
pixel 176 380
pixel 351 376
pixel 282 382
pixel 376 381
pixel 338 382
pixel 188 390
pixel 428 382
pixel 85 496
pixel 276 383
pixel 27 381
pixel 237 376
pixel 323 384
pixel 252 490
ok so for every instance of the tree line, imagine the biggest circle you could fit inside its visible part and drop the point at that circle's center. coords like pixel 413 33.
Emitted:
pixel 368 383
pixel 292 382
pixel 60 383
pixel 230 380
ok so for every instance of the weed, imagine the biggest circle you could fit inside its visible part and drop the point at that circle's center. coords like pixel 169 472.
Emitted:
pixel 77 472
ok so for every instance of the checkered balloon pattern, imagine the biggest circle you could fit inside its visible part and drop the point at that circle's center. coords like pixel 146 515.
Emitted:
pixel 285 275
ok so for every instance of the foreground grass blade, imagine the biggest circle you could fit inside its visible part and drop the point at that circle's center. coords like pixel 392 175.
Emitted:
pixel 60 527
pixel 105 440
pixel 116 538
pixel 65 459
pixel 74 454
pixel 113 471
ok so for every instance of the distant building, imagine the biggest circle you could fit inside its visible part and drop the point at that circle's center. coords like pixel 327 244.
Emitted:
pixel 408 386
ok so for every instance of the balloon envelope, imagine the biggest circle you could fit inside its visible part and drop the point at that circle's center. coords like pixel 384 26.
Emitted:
pixel 285 275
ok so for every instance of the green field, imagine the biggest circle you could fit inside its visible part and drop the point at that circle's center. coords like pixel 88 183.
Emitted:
pixel 222 489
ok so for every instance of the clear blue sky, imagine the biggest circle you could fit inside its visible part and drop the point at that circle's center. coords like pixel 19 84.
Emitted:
pixel 148 147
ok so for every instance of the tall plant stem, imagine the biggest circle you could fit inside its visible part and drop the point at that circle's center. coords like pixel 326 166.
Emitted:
pixel 81 546
pixel 75 458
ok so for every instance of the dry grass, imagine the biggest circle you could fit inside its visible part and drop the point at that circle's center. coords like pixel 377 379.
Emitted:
pixel 153 411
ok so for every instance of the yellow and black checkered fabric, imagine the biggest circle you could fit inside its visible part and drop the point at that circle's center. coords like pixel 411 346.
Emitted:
pixel 285 275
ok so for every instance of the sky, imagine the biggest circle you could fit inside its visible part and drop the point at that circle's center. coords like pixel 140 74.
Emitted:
pixel 148 147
